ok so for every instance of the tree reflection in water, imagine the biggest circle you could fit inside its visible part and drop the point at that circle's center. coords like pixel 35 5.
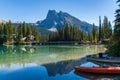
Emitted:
pixel 43 62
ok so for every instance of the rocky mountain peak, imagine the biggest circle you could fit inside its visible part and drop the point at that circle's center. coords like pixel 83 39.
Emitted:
pixel 51 14
pixel 56 20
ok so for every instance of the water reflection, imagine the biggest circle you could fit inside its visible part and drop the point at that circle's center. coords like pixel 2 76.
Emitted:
pixel 43 62
pixel 17 49
pixel 54 71
pixel 29 73
pixel 62 67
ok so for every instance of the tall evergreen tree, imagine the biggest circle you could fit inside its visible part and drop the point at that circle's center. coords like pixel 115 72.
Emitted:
pixel 24 29
pixel 10 31
pixel 1 31
pixel 19 33
pixel 114 48
pixel 94 34
pixel 100 29
pixel 106 28
pixel 110 29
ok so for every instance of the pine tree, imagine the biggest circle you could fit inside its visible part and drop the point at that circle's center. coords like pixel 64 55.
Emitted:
pixel 106 28
pixel 10 31
pixel 19 33
pixel 5 33
pixel 94 34
pixel 1 30
pixel 67 32
pixel 110 29
pixel 114 48
pixel 24 29
pixel 100 29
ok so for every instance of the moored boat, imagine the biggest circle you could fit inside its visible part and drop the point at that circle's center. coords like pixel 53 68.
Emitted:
pixel 103 60
pixel 98 70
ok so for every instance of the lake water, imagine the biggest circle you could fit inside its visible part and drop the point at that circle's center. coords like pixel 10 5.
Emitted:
pixel 43 62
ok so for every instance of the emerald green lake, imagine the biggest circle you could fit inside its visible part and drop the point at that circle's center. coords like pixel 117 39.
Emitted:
pixel 53 62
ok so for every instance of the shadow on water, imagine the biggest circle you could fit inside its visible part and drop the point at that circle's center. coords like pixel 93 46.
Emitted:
pixel 60 70
pixel 64 67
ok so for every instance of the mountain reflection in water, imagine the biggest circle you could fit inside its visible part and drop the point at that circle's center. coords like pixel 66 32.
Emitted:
pixel 53 71
pixel 43 62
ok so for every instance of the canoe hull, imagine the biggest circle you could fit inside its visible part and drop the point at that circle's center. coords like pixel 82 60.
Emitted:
pixel 103 61
pixel 99 70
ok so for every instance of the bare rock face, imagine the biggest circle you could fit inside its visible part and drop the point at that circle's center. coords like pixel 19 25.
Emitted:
pixel 55 20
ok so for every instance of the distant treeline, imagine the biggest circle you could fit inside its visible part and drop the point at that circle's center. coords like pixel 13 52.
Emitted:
pixel 20 34
pixel 73 33
pixel 28 33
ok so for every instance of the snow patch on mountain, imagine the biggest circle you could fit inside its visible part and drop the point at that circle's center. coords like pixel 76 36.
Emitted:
pixel 53 29
pixel 55 22
pixel 58 19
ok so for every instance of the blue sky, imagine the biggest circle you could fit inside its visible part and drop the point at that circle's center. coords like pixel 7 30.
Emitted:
pixel 34 10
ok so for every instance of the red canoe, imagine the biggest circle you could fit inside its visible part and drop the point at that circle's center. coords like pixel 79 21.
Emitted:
pixel 99 70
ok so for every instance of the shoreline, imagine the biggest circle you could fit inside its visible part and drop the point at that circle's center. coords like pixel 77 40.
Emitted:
pixel 53 43
pixel 97 76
